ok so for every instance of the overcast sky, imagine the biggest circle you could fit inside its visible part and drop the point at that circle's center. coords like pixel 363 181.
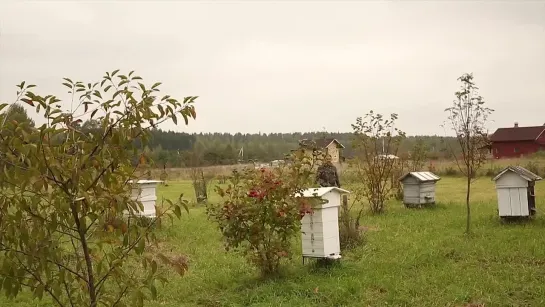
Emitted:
pixel 289 66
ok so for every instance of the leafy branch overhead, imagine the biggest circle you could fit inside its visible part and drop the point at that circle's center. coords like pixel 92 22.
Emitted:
pixel 69 227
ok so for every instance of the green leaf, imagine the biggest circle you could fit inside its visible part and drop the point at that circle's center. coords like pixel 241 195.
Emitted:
pixel 153 266
pixel 177 211
pixel 140 246
pixel 116 94
pixel 115 72
pixel 156 85
pixel 153 291
pixel 161 110
pixel 94 112
pixel 39 291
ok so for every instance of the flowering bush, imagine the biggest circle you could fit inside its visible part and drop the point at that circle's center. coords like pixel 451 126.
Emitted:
pixel 260 212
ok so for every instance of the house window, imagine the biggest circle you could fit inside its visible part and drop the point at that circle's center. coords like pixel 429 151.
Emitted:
pixel 516 149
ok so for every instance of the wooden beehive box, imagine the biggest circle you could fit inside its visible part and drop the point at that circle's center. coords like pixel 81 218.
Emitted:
pixel 320 230
pixel 145 192
pixel 515 190
pixel 419 188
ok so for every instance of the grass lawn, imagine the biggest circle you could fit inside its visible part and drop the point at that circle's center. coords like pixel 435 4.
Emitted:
pixel 412 257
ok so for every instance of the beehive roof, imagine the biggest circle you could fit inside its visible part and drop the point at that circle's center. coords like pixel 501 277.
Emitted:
pixel 421 176
pixel 521 171
pixel 319 192
pixel 143 181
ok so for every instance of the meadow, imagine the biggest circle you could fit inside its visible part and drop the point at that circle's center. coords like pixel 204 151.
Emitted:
pixel 411 257
pixel 449 168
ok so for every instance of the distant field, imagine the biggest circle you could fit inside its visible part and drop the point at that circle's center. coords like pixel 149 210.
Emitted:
pixel 412 257
pixel 441 167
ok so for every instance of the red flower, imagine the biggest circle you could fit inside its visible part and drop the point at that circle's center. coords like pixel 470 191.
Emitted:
pixel 253 193
pixel 257 194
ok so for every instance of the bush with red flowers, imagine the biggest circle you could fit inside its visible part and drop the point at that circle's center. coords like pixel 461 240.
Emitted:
pixel 260 213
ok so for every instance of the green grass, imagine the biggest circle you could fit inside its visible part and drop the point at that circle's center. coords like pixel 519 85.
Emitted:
pixel 412 257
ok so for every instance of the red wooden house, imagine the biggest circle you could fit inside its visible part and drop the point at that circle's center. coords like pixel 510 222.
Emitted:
pixel 517 141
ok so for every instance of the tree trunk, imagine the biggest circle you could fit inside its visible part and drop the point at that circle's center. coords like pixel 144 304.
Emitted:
pixel 87 255
pixel 467 203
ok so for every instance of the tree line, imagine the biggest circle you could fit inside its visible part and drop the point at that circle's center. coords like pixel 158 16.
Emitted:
pixel 180 149
pixel 175 149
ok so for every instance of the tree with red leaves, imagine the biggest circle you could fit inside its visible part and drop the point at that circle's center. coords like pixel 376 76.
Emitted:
pixel 261 212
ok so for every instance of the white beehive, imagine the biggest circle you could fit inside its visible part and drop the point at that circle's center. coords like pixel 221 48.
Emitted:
pixel 145 192
pixel 419 188
pixel 320 230
pixel 515 189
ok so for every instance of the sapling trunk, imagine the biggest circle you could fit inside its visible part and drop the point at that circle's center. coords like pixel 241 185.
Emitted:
pixel 468 222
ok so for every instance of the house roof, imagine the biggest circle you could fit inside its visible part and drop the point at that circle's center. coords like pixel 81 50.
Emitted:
pixel 320 143
pixel 421 176
pixel 517 134
pixel 519 170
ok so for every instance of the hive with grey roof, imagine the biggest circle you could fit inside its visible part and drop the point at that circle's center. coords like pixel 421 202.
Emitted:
pixel 419 188
pixel 515 189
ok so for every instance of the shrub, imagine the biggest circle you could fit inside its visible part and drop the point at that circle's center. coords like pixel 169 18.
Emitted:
pixel 492 171
pixel 533 167
pixel 64 186
pixel 431 167
pixel 350 213
pixel 418 156
pixel 259 214
pixel 376 139
pixel 451 171
pixel 538 155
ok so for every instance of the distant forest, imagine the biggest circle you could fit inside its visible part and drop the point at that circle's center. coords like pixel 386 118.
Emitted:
pixel 175 149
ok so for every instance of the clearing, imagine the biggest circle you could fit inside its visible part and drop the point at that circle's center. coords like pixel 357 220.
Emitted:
pixel 412 257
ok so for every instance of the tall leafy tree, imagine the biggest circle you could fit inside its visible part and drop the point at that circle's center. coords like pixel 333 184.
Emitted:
pixel 66 205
